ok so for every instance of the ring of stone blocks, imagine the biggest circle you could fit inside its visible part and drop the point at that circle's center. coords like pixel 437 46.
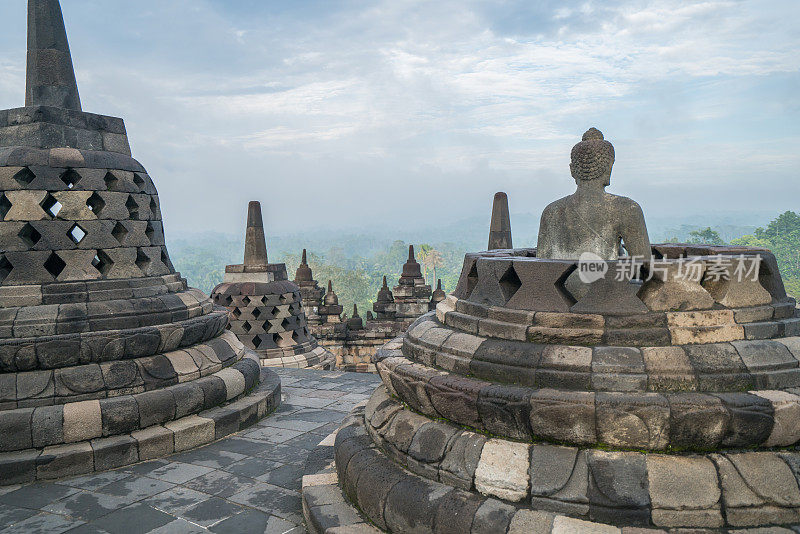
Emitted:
pixel 682 420
pixel 77 223
pixel 504 486
pixel 318 358
pixel 654 329
pixel 65 350
pixel 723 366
pixel 161 398
pixel 118 377
pixel 92 290
pixel 155 441
pixel 286 352
pixel 104 315
pixel 515 279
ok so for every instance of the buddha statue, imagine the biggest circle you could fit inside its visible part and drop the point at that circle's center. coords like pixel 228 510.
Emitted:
pixel 592 220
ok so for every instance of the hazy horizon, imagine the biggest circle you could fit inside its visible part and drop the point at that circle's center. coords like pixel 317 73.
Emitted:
pixel 409 115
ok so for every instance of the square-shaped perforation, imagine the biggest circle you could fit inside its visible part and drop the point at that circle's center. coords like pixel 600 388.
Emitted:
pixel 119 232
pixel 102 262
pixel 5 268
pixel 51 206
pixel 29 235
pixel 70 178
pixel 76 234
pixel 24 177
pixel 54 265
pixel 96 204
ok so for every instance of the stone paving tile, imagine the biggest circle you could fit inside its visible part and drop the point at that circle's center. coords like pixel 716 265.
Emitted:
pixel 43 523
pixel 248 482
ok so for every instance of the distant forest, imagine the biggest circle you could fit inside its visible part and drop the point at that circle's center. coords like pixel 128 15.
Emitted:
pixel 357 264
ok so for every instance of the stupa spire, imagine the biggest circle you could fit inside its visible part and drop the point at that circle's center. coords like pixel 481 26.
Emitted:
pixel 500 226
pixel 50 77
pixel 255 245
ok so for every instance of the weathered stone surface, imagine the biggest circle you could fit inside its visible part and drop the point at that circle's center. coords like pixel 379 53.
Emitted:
pixel 618 488
pixel 82 421
pixel 564 416
pixel 785 414
pixel 684 491
pixel 633 420
pixel 460 461
pixel 503 470
pixel 191 432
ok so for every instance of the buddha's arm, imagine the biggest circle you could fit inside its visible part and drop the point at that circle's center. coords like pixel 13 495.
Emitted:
pixel 634 232
pixel 543 246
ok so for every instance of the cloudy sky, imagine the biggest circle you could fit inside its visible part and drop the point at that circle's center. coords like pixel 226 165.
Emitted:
pixel 401 113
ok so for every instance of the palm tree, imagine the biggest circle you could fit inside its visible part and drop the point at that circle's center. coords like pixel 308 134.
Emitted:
pixel 430 258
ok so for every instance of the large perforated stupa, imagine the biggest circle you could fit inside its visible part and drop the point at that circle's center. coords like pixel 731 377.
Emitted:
pixel 106 356
pixel 545 395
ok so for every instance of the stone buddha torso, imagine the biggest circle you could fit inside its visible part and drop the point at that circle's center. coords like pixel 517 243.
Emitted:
pixel 591 220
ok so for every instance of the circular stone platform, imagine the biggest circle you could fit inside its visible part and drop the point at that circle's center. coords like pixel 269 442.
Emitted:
pixel 666 399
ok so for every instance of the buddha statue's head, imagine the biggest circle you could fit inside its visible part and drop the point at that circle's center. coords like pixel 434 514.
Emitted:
pixel 592 159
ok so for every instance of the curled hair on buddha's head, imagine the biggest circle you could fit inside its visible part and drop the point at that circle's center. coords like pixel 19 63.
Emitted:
pixel 592 158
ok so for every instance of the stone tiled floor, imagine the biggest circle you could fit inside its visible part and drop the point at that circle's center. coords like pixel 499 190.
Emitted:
pixel 249 482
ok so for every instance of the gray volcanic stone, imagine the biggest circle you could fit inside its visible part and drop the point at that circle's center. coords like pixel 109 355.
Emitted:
pixel 120 415
pixel 430 442
pixel 456 511
pixel 155 407
pixel 62 461
pixel 47 425
pixel 751 419
pixel 492 516
pixel 697 421
pixel 618 488
pixel 563 416
pixel 460 461
pixel 713 360
pixel 113 452
pixel 16 425
pixel 505 411
pixel 559 479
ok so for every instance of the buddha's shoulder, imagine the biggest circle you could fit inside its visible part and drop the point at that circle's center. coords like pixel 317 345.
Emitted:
pixel 621 203
pixel 556 206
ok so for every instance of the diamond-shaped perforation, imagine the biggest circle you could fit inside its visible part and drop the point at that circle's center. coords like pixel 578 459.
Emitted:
pixel 29 235
pixel 54 265
pixel 150 232
pixel 111 180
pixel 76 234
pixel 164 257
pixel 51 206
pixel 142 260
pixel 153 208
pixel 256 313
pixel 96 204
pixel 510 283
pixel 284 298
pixel 257 342
pixel 285 324
pixel 5 205
pixel 70 178
pixel 119 232
pixel 102 262
pixel 472 279
pixel 276 339
pixel 5 268
pixel 236 313
pixel 246 326
pixel 245 301
pixel 295 337
pixel 138 181
pixel 24 177
pixel 133 207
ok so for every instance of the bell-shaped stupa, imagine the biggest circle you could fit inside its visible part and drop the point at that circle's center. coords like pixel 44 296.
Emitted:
pixel 106 356
pixel 663 395
pixel 265 308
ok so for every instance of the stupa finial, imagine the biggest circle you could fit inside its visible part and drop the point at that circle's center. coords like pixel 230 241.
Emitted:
pixel 255 245
pixel 411 253
pixel 50 78
pixel 500 226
